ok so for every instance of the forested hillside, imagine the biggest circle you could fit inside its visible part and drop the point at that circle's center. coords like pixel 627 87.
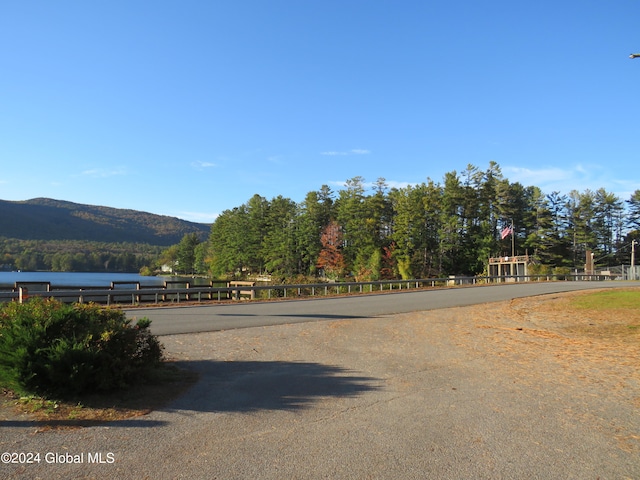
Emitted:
pixel 431 229
pixel 45 234
pixel 47 219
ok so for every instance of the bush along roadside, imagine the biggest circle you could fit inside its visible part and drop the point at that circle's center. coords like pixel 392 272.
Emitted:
pixel 62 351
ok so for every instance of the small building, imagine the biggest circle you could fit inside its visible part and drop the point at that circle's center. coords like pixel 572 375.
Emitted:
pixel 509 267
pixel 167 268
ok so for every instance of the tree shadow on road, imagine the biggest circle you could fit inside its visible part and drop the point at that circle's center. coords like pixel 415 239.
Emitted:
pixel 247 386
pixel 210 386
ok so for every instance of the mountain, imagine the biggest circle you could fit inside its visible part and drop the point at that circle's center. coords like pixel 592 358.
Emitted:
pixel 48 219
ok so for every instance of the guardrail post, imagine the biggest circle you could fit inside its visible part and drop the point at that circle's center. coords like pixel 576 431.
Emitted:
pixel 23 294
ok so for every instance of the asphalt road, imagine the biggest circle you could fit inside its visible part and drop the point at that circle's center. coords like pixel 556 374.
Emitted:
pixel 210 318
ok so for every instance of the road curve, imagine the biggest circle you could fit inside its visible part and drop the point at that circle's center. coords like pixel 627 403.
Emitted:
pixel 209 318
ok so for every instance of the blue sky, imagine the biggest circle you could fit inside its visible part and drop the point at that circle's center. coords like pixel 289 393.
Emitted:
pixel 187 108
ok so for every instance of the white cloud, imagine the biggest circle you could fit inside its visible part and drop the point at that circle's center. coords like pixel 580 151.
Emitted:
pixel 104 172
pixel 353 151
pixel 200 165
pixel 577 177
pixel 198 217
pixel 528 176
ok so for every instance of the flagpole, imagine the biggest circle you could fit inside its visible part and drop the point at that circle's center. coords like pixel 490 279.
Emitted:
pixel 513 242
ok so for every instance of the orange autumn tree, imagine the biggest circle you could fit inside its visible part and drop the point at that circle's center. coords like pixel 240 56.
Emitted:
pixel 331 259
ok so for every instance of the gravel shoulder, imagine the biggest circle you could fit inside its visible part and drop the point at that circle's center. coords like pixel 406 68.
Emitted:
pixel 518 389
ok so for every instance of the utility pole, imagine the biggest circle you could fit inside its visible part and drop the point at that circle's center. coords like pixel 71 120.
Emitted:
pixel 633 260
pixel 633 242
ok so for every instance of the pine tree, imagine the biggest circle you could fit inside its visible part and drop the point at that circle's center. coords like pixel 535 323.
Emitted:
pixel 186 254
pixel 608 210
pixel 228 243
pixel 451 226
pixel 314 215
pixel 279 249
pixel 351 213
pixel 633 217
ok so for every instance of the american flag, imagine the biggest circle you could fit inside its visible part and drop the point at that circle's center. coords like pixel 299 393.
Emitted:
pixel 506 232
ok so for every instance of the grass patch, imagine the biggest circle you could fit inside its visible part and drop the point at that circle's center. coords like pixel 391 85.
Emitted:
pixel 608 300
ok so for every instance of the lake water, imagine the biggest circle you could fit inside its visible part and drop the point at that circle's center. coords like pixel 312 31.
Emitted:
pixel 77 279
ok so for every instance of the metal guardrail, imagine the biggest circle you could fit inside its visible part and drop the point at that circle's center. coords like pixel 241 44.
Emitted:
pixel 262 292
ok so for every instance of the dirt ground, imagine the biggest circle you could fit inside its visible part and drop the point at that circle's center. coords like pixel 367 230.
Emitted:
pixel 545 340
pixel 590 345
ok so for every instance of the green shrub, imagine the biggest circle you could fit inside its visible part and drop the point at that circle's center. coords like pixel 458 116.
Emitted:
pixel 538 269
pixel 560 273
pixel 63 350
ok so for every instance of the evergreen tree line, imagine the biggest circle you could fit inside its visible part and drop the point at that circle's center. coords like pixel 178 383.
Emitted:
pixel 433 229
pixel 75 256
pixel 187 257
